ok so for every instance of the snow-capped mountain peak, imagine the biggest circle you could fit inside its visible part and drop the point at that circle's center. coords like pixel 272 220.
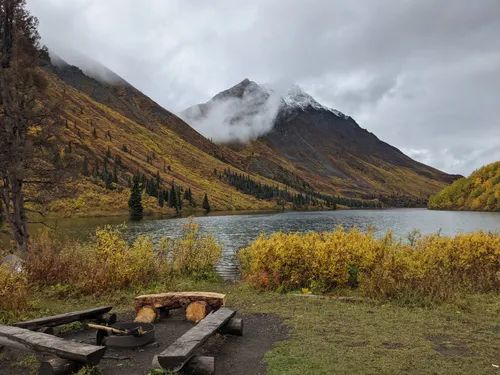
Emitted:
pixel 296 98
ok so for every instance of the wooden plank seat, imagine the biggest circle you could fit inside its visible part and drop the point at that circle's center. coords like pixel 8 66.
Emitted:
pixel 57 320
pixel 48 344
pixel 183 349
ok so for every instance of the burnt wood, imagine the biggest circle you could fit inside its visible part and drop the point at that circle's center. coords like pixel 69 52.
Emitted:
pixel 181 351
pixel 57 320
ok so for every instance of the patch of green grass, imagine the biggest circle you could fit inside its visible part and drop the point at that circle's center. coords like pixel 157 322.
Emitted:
pixel 89 370
pixel 28 362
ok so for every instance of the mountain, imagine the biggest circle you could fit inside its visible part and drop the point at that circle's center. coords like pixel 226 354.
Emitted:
pixel 115 132
pixel 301 143
pixel 478 192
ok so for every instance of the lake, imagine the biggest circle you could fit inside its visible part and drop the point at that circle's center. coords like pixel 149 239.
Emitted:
pixel 236 230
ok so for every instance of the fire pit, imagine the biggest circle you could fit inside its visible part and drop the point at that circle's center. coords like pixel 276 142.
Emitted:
pixel 137 335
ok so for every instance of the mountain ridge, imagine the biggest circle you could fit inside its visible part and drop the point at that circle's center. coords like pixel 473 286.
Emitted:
pixel 322 146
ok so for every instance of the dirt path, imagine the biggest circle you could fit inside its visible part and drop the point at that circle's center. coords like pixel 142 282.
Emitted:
pixel 234 355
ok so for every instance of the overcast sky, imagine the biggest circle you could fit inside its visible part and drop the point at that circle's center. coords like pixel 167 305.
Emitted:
pixel 422 75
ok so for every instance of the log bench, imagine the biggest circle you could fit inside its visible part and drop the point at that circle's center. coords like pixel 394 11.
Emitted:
pixel 177 355
pixel 197 305
pixel 43 343
pixel 57 320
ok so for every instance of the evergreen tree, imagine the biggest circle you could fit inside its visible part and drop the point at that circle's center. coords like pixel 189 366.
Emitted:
pixel 135 201
pixel 161 198
pixel 85 167
pixel 172 198
pixel 206 205
pixel 179 200
pixel 115 174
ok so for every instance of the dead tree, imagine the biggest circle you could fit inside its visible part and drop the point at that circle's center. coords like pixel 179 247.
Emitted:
pixel 28 119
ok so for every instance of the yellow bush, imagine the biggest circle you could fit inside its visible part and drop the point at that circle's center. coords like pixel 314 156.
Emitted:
pixel 432 265
pixel 193 254
pixel 111 263
pixel 13 290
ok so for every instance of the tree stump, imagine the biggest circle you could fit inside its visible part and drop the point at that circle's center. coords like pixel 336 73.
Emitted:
pixel 147 314
pixel 196 311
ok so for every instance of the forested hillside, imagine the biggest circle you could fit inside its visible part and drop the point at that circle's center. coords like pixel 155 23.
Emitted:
pixel 478 192
pixel 114 132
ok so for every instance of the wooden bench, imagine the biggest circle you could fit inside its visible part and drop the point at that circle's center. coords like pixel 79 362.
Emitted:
pixel 57 320
pixel 47 344
pixel 183 349
pixel 197 304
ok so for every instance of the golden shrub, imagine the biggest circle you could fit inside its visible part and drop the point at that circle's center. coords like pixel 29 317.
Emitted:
pixel 13 289
pixel 432 265
pixel 110 263
pixel 194 254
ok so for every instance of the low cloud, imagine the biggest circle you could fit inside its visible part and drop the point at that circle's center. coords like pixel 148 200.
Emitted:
pixel 236 118
pixel 419 74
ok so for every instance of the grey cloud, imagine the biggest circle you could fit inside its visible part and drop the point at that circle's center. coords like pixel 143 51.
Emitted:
pixel 420 74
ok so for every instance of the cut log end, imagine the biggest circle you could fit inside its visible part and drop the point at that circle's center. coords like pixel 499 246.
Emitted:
pixel 147 314
pixel 199 366
pixel 58 366
pixel 179 300
pixel 233 327
pixel 196 311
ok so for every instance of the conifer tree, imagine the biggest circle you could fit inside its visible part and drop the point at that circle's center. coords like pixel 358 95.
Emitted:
pixel 85 167
pixel 179 200
pixel 172 198
pixel 135 201
pixel 206 205
pixel 161 198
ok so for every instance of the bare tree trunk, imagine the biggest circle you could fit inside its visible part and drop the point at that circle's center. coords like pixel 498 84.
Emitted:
pixel 15 213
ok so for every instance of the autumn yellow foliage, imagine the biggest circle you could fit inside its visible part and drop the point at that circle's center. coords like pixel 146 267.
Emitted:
pixel 478 192
pixel 13 289
pixel 193 254
pixel 432 265
pixel 111 263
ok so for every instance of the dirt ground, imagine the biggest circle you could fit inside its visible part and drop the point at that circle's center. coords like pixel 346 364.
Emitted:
pixel 235 355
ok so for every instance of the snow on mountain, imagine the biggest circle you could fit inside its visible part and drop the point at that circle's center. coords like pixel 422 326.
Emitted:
pixel 248 110
pixel 295 98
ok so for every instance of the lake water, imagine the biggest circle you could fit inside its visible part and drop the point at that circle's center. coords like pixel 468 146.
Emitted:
pixel 235 231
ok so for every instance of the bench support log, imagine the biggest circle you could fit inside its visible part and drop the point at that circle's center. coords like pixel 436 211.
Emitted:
pixel 179 300
pixel 196 311
pixel 233 327
pixel 198 365
pixel 147 314
pixel 58 366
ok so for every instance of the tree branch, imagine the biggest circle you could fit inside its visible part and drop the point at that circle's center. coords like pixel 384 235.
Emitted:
pixel 43 223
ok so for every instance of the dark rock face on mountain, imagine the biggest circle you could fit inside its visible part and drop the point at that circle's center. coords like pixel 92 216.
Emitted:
pixel 306 143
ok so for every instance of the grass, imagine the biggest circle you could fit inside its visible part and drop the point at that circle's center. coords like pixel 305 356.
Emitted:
pixel 28 362
pixel 333 337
